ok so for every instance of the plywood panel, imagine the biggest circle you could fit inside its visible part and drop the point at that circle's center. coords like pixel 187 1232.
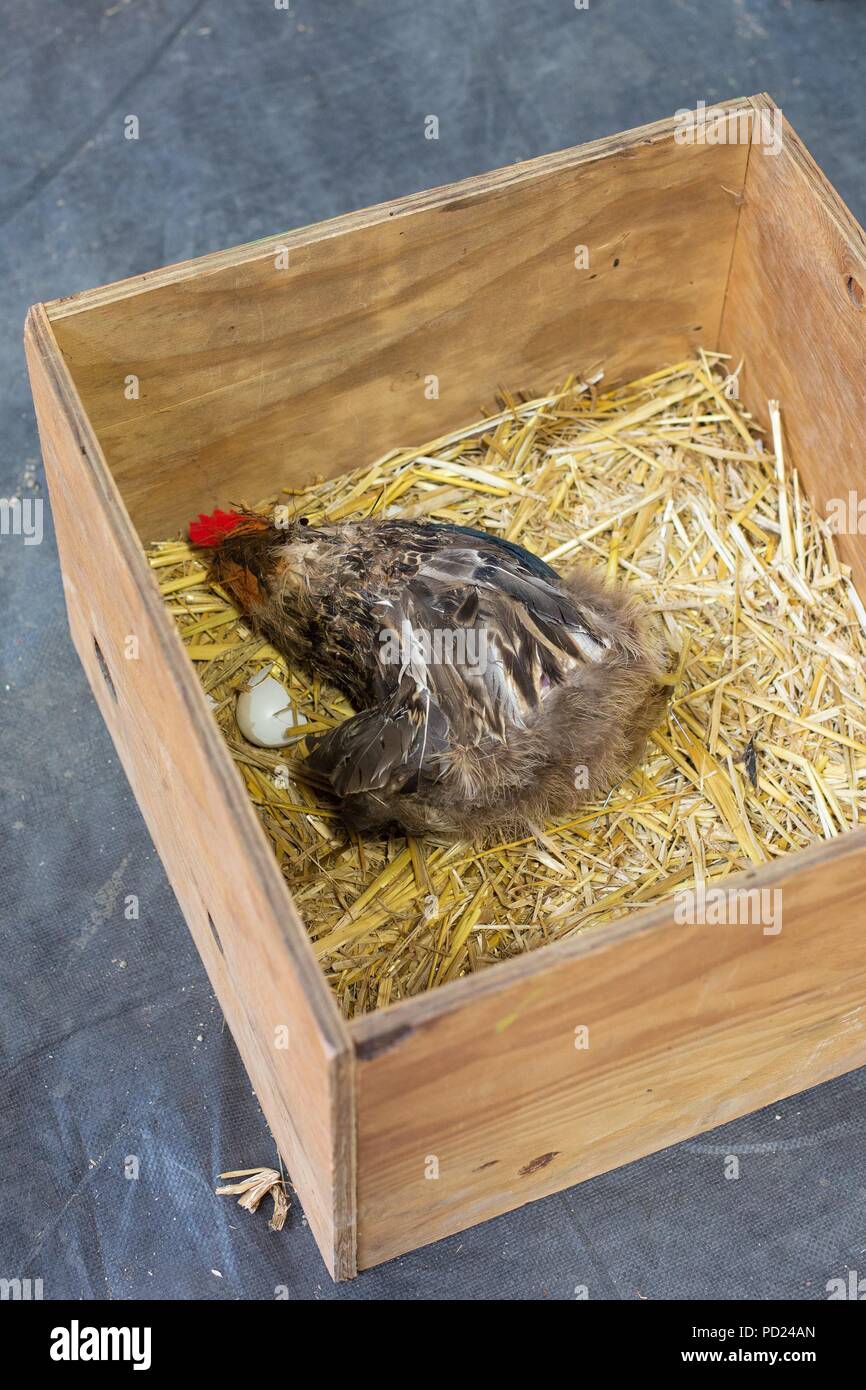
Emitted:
pixel 253 375
pixel 222 869
pixel 796 312
pixel 689 1027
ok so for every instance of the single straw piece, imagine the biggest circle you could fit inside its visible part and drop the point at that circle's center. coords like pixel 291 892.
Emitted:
pixel 779 453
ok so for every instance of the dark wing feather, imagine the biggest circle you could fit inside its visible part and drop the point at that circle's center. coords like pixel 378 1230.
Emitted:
pixel 524 559
pixel 493 564
pixel 383 748
pixel 529 631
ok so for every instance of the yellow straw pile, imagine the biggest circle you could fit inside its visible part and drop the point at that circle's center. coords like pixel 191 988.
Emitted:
pixel 666 485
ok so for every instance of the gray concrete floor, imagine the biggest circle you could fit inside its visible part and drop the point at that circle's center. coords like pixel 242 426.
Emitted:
pixel 254 120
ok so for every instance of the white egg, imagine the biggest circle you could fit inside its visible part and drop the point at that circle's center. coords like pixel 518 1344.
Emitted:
pixel 265 715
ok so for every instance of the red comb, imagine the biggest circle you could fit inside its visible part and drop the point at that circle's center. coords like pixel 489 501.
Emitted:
pixel 210 530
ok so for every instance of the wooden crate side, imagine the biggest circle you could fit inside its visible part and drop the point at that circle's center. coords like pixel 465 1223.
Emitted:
pixel 280 1011
pixel 688 1027
pixel 325 347
pixel 796 312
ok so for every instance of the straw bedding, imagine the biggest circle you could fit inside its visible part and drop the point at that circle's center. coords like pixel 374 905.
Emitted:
pixel 667 485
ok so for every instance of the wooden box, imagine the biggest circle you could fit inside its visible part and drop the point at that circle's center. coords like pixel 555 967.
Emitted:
pixel 697 235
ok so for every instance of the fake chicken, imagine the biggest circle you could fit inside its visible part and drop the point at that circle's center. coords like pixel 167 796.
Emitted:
pixel 491 693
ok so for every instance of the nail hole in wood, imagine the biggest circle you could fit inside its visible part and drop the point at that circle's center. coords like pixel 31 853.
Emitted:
pixel 855 292
pixel 215 934
pixel 106 674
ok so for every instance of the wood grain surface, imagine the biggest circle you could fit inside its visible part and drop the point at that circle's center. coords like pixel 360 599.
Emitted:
pixel 221 867
pixel 795 311
pixel 689 1026
pixel 252 376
